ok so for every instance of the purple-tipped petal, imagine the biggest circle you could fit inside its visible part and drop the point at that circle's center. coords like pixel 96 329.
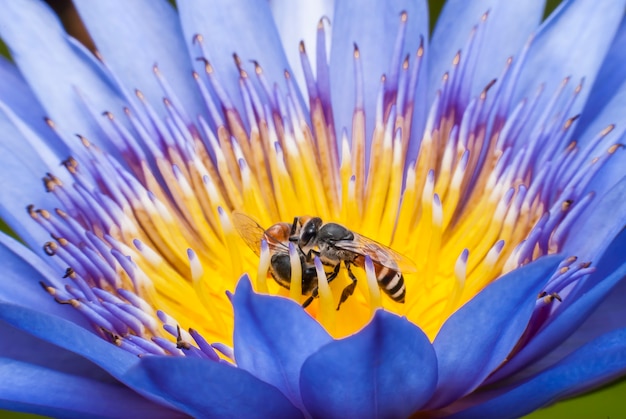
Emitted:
pixel 611 270
pixel 268 346
pixel 388 369
pixel 203 388
pixel 596 363
pixel 54 69
pixel 244 27
pixel 148 31
pixel 37 389
pixel 297 21
pixel 476 339
pixel 509 25
pixel 374 30
pixel 553 56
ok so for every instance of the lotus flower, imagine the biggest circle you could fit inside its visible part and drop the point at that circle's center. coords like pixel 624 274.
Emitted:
pixel 488 157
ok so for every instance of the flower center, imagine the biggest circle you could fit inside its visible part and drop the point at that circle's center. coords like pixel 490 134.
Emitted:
pixel 465 200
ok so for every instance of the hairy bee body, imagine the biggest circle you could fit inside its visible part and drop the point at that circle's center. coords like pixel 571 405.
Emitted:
pixel 334 244
pixel 277 238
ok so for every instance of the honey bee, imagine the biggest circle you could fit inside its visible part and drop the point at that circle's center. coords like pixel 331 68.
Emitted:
pixel 334 244
pixel 278 237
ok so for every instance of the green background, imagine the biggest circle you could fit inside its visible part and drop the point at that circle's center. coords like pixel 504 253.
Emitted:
pixel 608 402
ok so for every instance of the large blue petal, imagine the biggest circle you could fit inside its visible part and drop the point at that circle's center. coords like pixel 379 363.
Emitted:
pixel 374 29
pixel 36 389
pixel 207 389
pixel 22 271
pixel 244 27
pixel 608 85
pixel 54 68
pixel 388 369
pixel 133 37
pixel 17 95
pixel 24 347
pixel 611 270
pixel 73 338
pixel 556 54
pixel 476 339
pixel 269 347
pixel 596 363
pixel 68 335
pixel 21 171
pixel 598 224
pixel 509 25
pixel 611 173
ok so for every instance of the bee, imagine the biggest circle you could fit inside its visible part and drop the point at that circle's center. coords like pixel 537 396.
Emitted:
pixel 278 237
pixel 334 244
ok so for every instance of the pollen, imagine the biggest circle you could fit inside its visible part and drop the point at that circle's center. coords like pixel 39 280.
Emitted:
pixel 151 245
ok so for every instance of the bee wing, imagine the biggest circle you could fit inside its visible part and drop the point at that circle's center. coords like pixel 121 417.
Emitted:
pixel 379 253
pixel 253 234
pixel 249 230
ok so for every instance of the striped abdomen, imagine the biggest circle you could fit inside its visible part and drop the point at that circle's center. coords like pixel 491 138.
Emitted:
pixel 391 282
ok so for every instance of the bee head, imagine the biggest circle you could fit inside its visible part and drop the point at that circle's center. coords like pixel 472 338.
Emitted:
pixel 309 231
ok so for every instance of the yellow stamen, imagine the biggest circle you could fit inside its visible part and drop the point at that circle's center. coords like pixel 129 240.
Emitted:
pixel 264 265
pixel 375 301
pixel 295 289
pixel 327 312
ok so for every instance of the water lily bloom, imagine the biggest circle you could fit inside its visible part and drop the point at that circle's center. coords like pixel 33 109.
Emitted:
pixel 479 174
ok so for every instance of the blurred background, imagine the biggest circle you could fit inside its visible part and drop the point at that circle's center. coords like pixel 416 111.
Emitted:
pixel 605 403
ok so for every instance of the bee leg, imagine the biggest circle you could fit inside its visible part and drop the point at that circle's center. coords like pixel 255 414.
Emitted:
pixel 314 293
pixel 349 289
pixel 309 300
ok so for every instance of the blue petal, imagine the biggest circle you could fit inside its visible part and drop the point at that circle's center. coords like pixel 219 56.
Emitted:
pixel 38 366
pixel 54 69
pixel 244 27
pixel 68 335
pixel 374 29
pixel 509 25
pixel 22 271
pixel 269 347
pixel 476 339
pixel 598 362
pixel 21 171
pixel 26 348
pixel 556 54
pixel 611 270
pixel 388 369
pixel 44 152
pixel 204 389
pixel 598 224
pixel 17 95
pixel 44 391
pixel 133 37
pixel 608 85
